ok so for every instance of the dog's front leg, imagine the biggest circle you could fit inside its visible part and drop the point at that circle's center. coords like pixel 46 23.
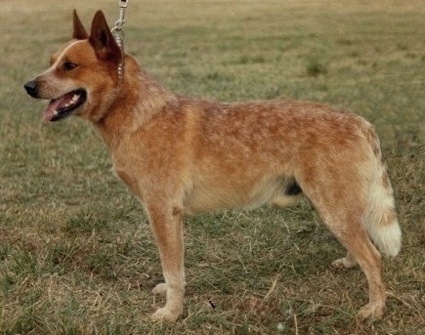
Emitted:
pixel 167 226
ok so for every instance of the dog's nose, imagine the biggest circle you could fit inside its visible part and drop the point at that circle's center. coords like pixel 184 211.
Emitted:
pixel 32 88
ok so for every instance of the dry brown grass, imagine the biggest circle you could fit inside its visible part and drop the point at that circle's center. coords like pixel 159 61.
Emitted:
pixel 76 256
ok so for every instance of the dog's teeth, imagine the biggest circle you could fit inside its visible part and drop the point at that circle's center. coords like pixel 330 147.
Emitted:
pixel 55 112
pixel 73 101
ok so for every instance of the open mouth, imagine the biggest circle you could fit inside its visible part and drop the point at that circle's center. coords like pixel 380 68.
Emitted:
pixel 62 107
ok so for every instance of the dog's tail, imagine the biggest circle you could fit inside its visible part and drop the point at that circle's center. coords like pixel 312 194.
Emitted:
pixel 381 218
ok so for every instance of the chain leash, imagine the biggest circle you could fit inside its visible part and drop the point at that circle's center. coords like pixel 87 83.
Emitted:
pixel 119 35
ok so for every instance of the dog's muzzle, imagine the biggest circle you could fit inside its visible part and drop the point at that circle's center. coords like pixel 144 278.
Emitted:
pixel 59 107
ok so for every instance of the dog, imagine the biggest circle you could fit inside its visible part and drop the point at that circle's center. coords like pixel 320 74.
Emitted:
pixel 182 156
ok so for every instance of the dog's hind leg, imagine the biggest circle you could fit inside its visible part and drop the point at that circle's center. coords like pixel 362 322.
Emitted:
pixel 364 252
pixel 167 226
pixel 347 225
pixel 342 204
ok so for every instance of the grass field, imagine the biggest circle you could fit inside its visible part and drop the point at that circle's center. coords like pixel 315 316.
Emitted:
pixel 76 254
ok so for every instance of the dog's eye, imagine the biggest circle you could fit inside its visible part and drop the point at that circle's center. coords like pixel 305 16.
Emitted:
pixel 68 66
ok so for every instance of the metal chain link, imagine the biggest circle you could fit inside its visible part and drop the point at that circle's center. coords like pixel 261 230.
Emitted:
pixel 119 34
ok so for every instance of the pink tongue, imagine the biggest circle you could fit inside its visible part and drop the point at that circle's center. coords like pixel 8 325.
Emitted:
pixel 50 110
pixel 57 104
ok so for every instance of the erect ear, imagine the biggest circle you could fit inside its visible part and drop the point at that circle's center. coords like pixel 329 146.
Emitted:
pixel 79 32
pixel 103 41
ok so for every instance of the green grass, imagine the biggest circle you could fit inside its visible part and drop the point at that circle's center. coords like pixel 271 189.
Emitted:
pixel 76 254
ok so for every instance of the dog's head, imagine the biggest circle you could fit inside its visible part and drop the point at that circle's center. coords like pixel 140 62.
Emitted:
pixel 83 75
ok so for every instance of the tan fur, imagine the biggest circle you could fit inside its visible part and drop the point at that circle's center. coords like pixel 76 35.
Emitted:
pixel 183 156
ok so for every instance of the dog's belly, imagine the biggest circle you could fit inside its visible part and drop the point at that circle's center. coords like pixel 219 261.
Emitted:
pixel 228 194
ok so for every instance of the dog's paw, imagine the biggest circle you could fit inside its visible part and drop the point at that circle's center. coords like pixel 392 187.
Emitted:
pixel 343 263
pixel 164 314
pixel 160 289
pixel 374 311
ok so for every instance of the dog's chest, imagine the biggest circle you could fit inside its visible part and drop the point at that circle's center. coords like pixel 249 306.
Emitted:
pixel 129 172
pixel 129 180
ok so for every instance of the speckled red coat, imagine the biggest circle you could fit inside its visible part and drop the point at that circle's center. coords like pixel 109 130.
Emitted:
pixel 185 156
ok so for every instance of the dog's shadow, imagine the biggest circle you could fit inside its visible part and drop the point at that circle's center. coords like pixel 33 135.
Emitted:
pixel 252 246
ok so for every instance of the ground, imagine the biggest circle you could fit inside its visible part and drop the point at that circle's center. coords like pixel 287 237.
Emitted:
pixel 76 254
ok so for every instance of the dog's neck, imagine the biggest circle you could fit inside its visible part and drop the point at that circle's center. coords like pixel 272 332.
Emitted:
pixel 139 98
